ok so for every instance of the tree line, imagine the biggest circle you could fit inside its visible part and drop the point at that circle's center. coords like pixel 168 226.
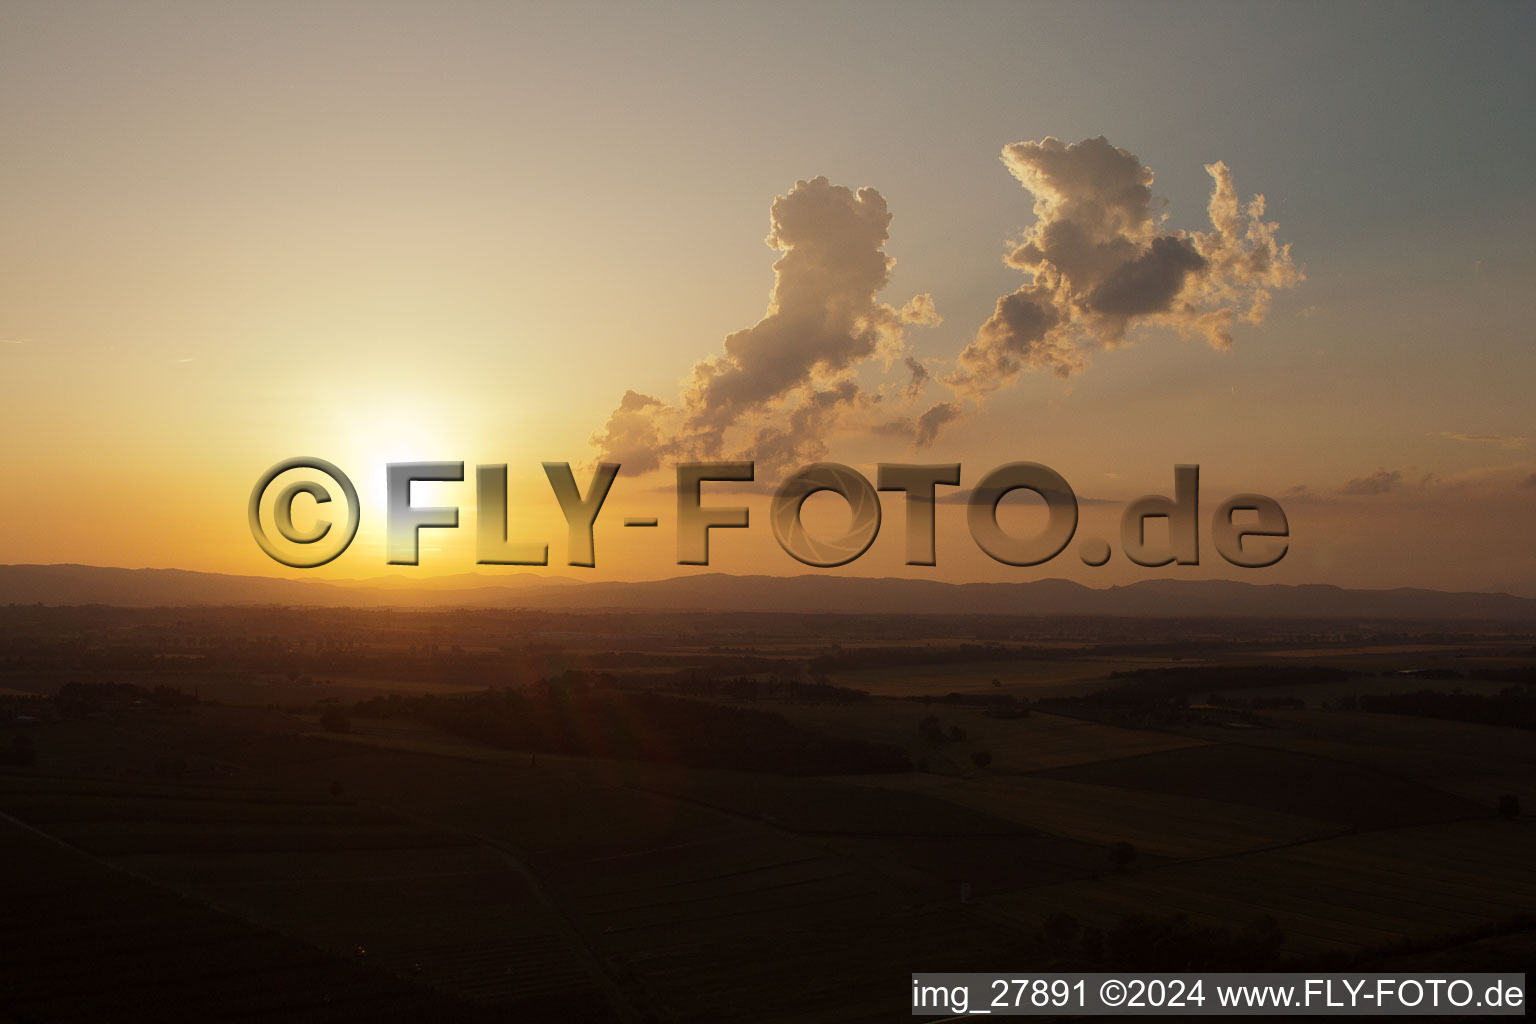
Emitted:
pixel 585 714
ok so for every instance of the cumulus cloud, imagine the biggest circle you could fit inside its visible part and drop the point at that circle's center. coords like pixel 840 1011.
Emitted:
pixel 778 388
pixel 1100 262
pixel 632 436
pixel 1379 482
pixel 928 423
pixel 799 438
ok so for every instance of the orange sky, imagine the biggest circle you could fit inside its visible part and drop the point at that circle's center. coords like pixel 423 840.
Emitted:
pixel 230 235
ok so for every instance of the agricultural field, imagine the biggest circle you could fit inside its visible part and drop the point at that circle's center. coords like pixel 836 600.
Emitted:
pixel 430 858
pixel 354 880
pixel 1163 825
pixel 1027 678
pixel 1016 744
pixel 1349 892
pixel 260 689
pixel 1473 761
pixel 1277 780
pixel 1322 695
pixel 91 941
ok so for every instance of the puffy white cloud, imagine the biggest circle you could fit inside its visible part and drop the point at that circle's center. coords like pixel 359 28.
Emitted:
pixel 632 436
pixel 1100 263
pixel 780 386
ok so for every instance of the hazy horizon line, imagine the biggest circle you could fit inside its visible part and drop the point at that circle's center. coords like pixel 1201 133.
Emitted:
pixel 488 580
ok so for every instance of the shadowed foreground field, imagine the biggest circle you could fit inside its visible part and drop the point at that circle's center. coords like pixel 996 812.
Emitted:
pixel 181 852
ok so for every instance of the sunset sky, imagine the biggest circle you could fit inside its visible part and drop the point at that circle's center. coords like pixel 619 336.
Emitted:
pixel 233 233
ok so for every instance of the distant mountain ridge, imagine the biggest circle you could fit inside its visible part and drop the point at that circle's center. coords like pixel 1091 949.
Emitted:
pixel 84 584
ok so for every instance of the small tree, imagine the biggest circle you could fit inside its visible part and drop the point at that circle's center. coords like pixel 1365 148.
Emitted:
pixel 1509 807
pixel 981 758
pixel 1121 855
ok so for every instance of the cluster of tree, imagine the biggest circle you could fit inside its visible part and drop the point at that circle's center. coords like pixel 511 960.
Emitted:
pixel 17 707
pixel 1425 673
pixel 845 660
pixel 376 656
pixel 1182 681
pixel 1163 694
pixel 997 705
pixel 582 713
pixel 1256 703
pixel 1149 943
pixel 1524 675
pixel 776 688
pixel 1519 674
pixel 77 700
pixel 932 730
pixel 1515 706
pixel 317 660
pixel 721 663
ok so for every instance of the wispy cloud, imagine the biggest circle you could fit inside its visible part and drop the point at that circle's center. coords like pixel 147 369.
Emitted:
pixel 1379 482
pixel 919 380
pixel 1510 441
pixel 1301 494
pixel 1484 481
